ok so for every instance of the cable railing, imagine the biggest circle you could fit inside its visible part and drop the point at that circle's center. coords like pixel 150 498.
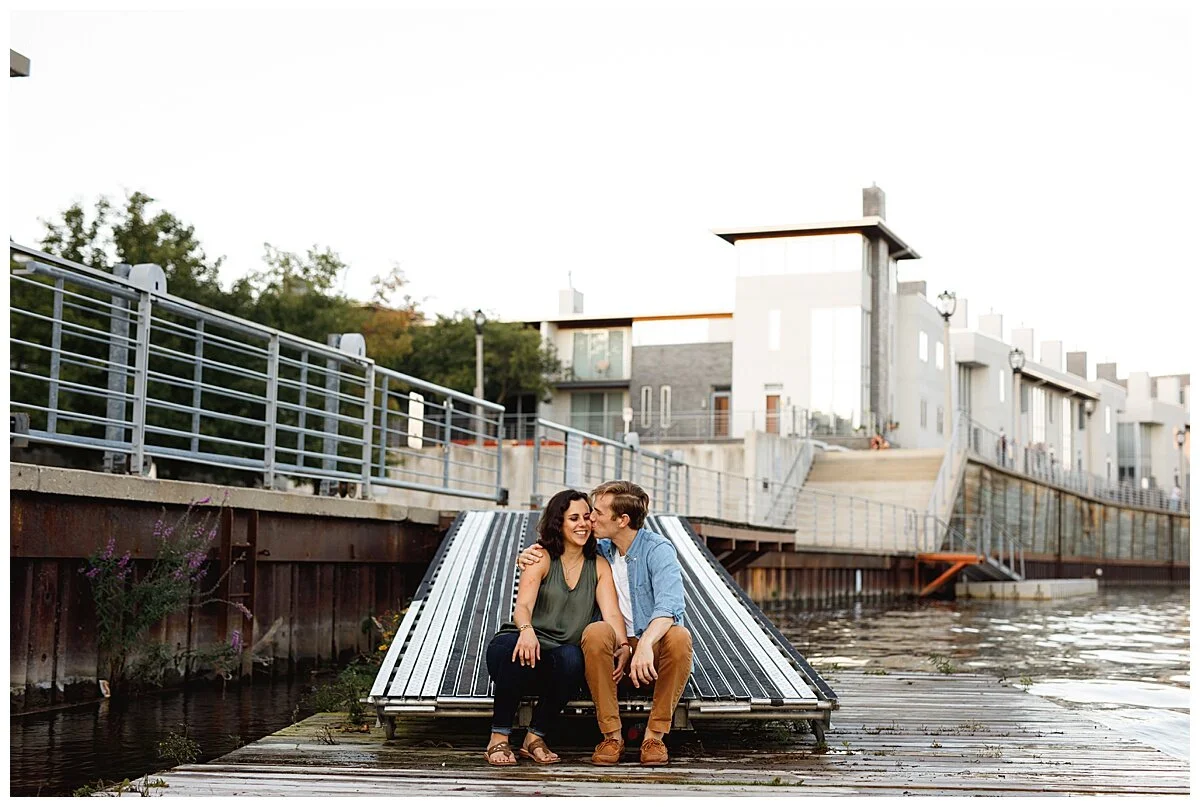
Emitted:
pixel 113 363
pixel 945 486
pixel 1039 462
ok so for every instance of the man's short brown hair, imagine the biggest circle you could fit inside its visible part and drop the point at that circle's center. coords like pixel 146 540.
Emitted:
pixel 627 499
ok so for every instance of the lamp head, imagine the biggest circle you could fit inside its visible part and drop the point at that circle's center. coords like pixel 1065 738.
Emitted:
pixel 1180 437
pixel 947 302
pixel 1089 406
pixel 1016 359
pixel 480 319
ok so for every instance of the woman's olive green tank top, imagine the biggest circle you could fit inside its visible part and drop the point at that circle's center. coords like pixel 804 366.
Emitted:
pixel 560 614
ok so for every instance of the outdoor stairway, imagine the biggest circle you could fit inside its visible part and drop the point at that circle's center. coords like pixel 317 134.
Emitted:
pixel 902 476
pixel 986 554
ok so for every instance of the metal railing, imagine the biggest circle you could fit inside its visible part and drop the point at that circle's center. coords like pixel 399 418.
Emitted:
pixel 564 457
pixel 979 533
pixel 111 362
pixel 713 424
pixel 945 486
pixel 1040 463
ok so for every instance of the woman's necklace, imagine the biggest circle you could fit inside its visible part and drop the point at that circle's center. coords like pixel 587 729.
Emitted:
pixel 567 571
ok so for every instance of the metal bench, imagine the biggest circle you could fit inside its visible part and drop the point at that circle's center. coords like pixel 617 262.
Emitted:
pixel 743 667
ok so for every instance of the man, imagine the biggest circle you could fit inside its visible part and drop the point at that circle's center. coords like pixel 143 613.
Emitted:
pixel 656 651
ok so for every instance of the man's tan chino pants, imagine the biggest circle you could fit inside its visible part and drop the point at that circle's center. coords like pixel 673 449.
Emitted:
pixel 672 662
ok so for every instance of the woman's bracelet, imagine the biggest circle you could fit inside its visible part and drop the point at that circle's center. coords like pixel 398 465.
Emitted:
pixel 523 627
pixel 625 644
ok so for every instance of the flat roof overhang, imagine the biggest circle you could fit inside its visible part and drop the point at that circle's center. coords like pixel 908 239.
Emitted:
pixel 870 226
pixel 1062 384
pixel 18 65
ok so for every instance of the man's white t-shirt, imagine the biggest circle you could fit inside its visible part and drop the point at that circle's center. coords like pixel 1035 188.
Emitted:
pixel 620 572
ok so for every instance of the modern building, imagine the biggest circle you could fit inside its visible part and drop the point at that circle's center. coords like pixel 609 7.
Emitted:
pixel 824 340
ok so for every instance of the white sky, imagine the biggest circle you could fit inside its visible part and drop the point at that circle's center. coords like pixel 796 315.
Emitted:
pixel 1040 159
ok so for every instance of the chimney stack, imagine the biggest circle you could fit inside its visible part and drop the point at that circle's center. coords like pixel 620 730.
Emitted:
pixel 1077 363
pixel 1107 371
pixel 873 202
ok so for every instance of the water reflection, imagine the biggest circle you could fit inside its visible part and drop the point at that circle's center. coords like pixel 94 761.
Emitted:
pixel 1119 634
pixel 52 753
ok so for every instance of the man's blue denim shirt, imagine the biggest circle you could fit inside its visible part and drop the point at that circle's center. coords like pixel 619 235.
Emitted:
pixel 655 578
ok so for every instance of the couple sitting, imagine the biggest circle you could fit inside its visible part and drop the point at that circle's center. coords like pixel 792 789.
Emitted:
pixel 631 578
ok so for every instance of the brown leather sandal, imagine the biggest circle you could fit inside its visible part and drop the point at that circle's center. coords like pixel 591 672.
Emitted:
pixel 535 744
pixel 497 748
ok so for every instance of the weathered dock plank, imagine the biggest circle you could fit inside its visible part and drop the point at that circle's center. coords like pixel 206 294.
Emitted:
pixel 904 733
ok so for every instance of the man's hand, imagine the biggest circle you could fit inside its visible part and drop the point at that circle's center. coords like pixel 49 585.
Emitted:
pixel 529 557
pixel 621 657
pixel 641 667
pixel 528 649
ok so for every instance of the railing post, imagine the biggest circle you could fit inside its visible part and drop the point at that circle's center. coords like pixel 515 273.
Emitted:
pixel 720 496
pixel 197 381
pixel 118 362
pixel 537 456
pixel 55 357
pixel 687 490
pixel 448 442
pixel 269 434
pixel 368 433
pixel 140 378
pixel 500 458
pixel 381 471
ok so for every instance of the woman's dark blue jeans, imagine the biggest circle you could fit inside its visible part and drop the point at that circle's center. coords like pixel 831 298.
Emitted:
pixel 556 679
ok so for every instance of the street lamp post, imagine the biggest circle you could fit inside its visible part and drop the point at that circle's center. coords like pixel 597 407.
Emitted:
pixel 1016 360
pixel 946 305
pixel 480 320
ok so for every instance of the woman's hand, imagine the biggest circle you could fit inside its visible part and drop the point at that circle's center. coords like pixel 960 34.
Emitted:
pixel 621 658
pixel 530 556
pixel 528 649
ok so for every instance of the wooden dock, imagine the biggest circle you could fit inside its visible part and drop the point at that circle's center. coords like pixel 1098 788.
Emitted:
pixel 896 734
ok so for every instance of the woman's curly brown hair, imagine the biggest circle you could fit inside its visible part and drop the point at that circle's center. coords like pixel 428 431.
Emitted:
pixel 549 528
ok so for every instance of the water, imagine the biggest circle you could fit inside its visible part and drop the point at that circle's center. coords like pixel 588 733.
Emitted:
pixel 53 753
pixel 1123 656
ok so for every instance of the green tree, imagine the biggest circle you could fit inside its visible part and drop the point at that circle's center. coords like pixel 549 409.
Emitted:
pixel 515 362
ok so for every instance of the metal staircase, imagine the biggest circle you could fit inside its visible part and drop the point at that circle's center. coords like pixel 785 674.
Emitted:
pixel 977 548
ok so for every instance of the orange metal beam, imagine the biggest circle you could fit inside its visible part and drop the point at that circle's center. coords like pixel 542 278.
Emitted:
pixel 946 575
pixel 950 557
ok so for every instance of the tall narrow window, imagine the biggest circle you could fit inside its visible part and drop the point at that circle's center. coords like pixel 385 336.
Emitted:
pixel 923 346
pixel 664 403
pixel 940 417
pixel 647 416
pixel 924 414
pixel 773 328
pixel 720 413
pixel 772 414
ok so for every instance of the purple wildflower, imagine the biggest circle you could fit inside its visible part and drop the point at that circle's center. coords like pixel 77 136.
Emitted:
pixel 91 575
pixel 158 528
pixel 110 548
pixel 235 641
pixel 177 575
pixel 195 558
pixel 205 500
pixel 124 561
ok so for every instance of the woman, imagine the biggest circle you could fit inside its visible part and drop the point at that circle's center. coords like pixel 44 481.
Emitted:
pixel 539 650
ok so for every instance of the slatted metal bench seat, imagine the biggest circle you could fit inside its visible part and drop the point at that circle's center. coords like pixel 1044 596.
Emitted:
pixel 743 667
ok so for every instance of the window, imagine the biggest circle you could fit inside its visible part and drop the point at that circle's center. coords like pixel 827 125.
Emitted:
pixel 647 407
pixel 1082 416
pixel 1024 390
pixel 924 414
pixel 1066 432
pixel 772 414
pixel 940 416
pixel 664 403
pixel 773 326
pixel 1108 420
pixel 940 352
pixel 1050 408
pixel 598 413
pixel 599 354
pixel 720 413
pixel 923 346
pixel 1003 384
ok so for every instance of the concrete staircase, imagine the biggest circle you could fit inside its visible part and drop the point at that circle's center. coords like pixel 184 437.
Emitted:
pixel 893 476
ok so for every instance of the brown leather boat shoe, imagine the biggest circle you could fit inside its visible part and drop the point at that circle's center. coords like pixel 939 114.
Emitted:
pixel 654 752
pixel 608 752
